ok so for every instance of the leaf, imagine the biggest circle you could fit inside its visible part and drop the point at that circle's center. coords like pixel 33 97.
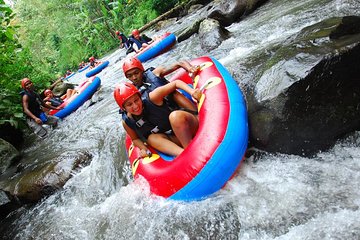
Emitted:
pixel 10 33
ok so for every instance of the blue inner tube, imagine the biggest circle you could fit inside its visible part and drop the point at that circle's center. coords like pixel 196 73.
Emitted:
pixel 157 49
pixel 70 75
pixel 97 69
pixel 79 100
pixel 84 68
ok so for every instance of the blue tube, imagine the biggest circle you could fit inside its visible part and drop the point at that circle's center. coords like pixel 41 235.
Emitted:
pixel 79 100
pixel 157 49
pixel 97 69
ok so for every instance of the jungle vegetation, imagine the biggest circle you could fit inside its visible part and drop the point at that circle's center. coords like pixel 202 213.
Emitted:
pixel 42 39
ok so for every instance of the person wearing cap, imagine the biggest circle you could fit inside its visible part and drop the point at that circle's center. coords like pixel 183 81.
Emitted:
pixel 151 78
pixel 150 121
pixel 31 104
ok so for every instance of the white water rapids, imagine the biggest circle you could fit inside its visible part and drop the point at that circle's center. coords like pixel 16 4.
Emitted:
pixel 273 196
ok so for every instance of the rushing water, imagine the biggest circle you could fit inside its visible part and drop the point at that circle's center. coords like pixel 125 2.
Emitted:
pixel 273 196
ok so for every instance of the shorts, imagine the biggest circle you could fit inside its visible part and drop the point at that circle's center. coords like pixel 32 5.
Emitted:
pixel 42 130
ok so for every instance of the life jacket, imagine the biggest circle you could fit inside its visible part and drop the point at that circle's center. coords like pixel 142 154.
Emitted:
pixel 154 119
pixel 138 42
pixel 124 40
pixel 55 101
pixel 34 103
pixel 152 81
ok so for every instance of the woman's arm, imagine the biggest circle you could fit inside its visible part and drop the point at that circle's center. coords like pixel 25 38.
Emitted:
pixel 44 104
pixel 144 151
pixel 157 96
pixel 163 71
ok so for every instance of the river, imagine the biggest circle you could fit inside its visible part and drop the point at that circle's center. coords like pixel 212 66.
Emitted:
pixel 273 196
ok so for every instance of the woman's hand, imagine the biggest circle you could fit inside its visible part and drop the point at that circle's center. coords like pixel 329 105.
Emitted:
pixel 196 94
pixel 145 153
pixel 193 70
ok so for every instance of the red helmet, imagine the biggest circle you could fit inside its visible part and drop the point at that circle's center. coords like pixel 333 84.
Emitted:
pixel 123 92
pixel 135 32
pixel 91 58
pixel 131 63
pixel 24 81
pixel 47 92
pixel 117 33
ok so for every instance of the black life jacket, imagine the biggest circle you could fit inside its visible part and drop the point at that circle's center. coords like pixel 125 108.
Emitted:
pixel 151 81
pixel 138 42
pixel 34 102
pixel 154 119
pixel 55 101
pixel 124 40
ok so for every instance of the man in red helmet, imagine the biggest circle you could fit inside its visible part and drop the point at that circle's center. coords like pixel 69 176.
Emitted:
pixel 138 42
pixel 31 103
pixel 151 78
pixel 93 62
pixel 124 41
pixel 150 120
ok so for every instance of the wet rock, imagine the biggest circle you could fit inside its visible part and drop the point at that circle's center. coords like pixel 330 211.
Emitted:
pixel 211 34
pixel 165 23
pixel 349 25
pixel 32 183
pixel 228 12
pixel 12 135
pixel 189 31
pixel 308 95
pixel 218 15
pixel 194 8
pixel 61 87
pixel 8 155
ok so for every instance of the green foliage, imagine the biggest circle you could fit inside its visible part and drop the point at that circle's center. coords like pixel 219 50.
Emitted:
pixel 9 112
pixel 163 6
pixel 52 36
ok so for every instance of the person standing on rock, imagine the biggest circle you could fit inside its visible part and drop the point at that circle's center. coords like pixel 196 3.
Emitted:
pixel 35 116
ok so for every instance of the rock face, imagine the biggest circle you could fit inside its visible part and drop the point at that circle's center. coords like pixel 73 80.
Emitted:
pixel 188 32
pixel 8 155
pixel 228 12
pixel 302 112
pixel 61 87
pixel 211 34
pixel 31 183
pixel 211 25
pixel 12 135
